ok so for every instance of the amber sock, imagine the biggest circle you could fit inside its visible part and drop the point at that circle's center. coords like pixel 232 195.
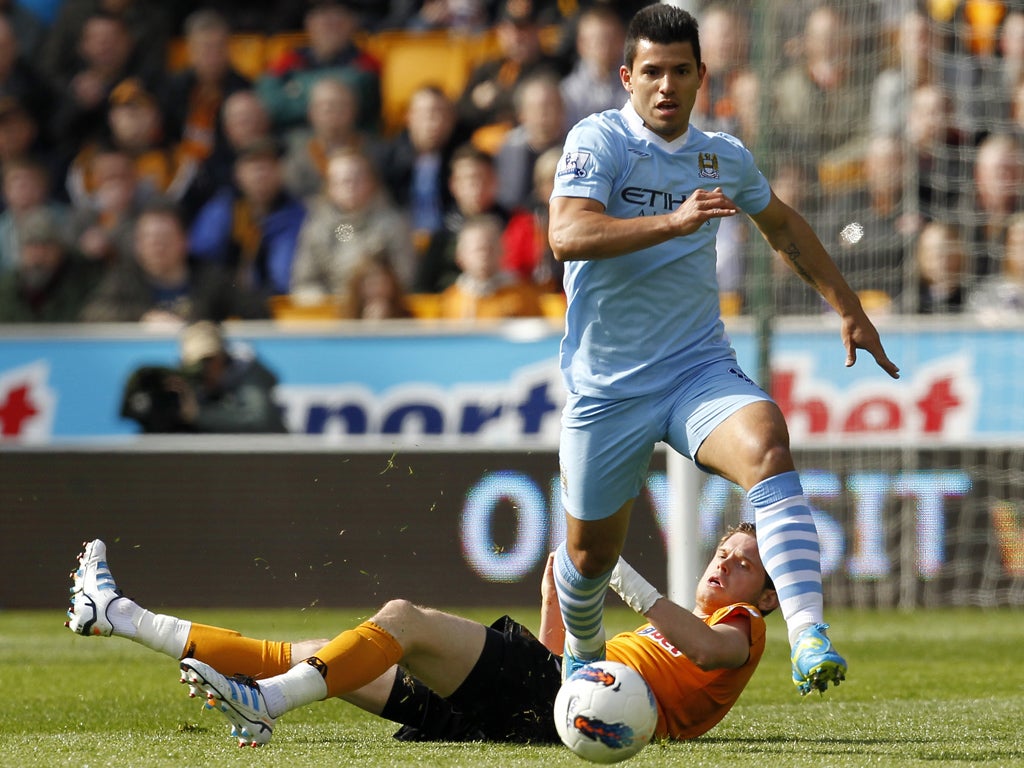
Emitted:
pixel 230 653
pixel 356 657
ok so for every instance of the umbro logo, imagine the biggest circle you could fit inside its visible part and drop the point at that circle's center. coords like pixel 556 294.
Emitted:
pixel 639 152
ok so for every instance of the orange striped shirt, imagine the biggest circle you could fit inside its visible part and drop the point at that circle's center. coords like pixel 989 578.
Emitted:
pixel 690 700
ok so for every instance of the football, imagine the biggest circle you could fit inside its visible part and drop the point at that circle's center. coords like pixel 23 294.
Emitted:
pixel 605 712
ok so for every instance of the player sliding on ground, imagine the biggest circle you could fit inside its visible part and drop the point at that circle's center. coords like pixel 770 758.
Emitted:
pixel 437 674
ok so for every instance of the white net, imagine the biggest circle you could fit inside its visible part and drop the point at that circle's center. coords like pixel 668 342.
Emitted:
pixel 894 127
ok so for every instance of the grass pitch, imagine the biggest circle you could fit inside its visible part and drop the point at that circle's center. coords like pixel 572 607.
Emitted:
pixel 928 688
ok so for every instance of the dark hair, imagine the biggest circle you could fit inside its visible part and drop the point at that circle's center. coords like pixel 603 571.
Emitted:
pixel 162 205
pixel 749 529
pixel 469 151
pixel 662 24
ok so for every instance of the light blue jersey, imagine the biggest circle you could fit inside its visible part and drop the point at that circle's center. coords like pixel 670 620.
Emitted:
pixel 639 322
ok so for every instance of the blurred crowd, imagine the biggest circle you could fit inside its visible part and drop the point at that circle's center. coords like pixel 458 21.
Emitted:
pixel 203 161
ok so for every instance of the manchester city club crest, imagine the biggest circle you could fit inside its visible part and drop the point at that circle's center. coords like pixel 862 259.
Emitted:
pixel 707 165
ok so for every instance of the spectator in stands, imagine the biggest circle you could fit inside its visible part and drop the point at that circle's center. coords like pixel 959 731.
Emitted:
pixel 103 227
pixel 414 168
pixel 251 228
pixel 192 98
pixel 332 125
pixel 1001 296
pixel 998 194
pixel 725 49
pixel 332 50
pixel 26 187
pixel 350 223
pixel 593 85
pixel 265 17
pixel 245 121
pixel 473 183
pixel 28 28
pixel 909 67
pixel 105 57
pixel 20 135
pixel 137 129
pixel 159 285
pixel 869 244
pixel 791 184
pixel 527 252
pixel 940 151
pixel 49 282
pixel 939 257
pixel 146 27
pixel 218 389
pixel 467 17
pixel 375 292
pixel 987 102
pixel 19 77
pixel 540 114
pixel 487 99
pixel 483 290
pixel 820 103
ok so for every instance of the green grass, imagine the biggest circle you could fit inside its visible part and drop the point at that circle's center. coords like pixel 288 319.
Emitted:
pixel 929 688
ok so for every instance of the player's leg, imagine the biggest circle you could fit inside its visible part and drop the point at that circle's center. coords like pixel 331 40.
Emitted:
pixel 98 608
pixel 437 647
pixel 604 452
pixel 750 446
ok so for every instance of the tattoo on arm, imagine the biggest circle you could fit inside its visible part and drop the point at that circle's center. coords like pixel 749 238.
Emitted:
pixel 793 254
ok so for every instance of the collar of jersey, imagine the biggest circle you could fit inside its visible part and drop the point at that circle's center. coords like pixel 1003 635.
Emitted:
pixel 636 123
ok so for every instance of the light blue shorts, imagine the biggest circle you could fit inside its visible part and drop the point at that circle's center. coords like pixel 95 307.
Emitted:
pixel 606 445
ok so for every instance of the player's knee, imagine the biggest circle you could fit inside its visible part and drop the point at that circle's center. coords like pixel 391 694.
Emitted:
pixel 594 558
pixel 399 609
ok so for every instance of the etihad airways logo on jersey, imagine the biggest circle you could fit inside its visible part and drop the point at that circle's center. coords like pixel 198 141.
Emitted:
pixel 652 198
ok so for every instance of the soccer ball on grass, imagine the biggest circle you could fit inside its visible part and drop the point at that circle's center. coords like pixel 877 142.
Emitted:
pixel 605 712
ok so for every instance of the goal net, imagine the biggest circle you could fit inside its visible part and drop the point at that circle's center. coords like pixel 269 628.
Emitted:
pixel 893 128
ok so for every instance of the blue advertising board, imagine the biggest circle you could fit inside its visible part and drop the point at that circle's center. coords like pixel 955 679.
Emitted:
pixel 501 384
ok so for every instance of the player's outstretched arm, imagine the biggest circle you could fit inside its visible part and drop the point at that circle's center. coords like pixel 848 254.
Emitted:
pixel 552 629
pixel 580 230
pixel 790 236
pixel 723 646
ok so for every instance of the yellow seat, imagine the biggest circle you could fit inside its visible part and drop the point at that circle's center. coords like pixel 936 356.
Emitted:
pixel 280 43
pixel 248 53
pixel 731 303
pixel 553 305
pixel 424 306
pixel 285 309
pixel 489 138
pixel 410 60
pixel 874 300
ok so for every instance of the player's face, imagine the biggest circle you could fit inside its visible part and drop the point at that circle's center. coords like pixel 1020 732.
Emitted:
pixel 734 575
pixel 662 85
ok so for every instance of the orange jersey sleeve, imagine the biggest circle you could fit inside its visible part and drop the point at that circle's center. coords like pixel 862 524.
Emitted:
pixel 690 700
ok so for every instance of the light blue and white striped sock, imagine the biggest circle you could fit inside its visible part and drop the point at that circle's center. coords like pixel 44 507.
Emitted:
pixel 788 542
pixel 581 600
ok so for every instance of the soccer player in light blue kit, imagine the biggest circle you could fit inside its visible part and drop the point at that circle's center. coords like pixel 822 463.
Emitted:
pixel 634 213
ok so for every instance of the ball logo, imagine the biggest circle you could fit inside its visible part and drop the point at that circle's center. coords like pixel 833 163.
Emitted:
pixel 614 735
pixel 595 674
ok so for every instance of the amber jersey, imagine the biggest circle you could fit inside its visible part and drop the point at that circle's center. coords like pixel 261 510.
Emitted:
pixel 690 700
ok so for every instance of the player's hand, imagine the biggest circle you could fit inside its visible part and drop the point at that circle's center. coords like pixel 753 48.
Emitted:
pixel 701 207
pixel 547 584
pixel 859 333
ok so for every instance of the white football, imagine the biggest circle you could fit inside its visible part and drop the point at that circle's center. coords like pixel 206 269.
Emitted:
pixel 605 712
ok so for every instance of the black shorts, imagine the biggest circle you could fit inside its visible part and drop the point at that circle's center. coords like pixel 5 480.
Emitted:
pixel 508 696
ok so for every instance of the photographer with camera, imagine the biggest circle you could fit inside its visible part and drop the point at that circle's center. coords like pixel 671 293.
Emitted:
pixel 213 391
